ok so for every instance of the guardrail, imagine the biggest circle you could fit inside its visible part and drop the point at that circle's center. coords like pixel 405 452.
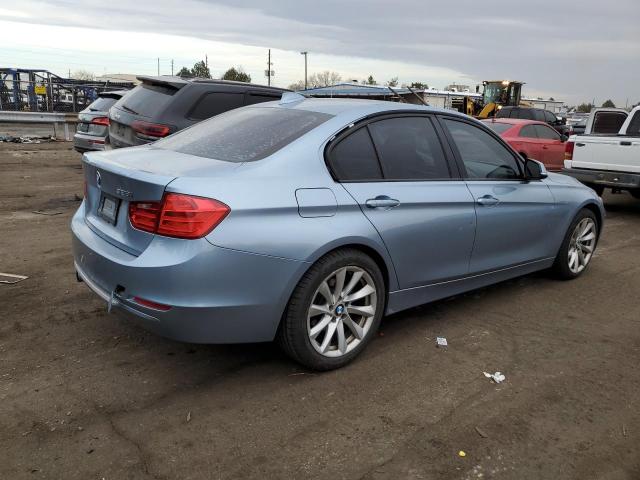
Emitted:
pixel 61 121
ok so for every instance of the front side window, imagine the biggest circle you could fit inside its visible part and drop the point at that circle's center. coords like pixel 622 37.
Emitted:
pixel 547 133
pixel 483 156
pixel 245 134
pixel 409 149
pixel 550 117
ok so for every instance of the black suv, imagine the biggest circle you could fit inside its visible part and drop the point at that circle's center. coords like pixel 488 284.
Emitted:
pixel 539 114
pixel 163 105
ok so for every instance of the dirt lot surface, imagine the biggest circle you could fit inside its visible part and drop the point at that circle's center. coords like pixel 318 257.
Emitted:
pixel 86 395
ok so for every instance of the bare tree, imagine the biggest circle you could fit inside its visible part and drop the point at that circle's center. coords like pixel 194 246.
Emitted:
pixel 299 85
pixel 393 82
pixel 324 79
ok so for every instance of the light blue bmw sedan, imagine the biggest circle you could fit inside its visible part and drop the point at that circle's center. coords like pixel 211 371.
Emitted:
pixel 308 220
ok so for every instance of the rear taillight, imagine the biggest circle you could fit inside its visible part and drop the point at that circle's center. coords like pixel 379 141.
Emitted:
pixel 568 150
pixel 100 121
pixel 152 130
pixel 178 215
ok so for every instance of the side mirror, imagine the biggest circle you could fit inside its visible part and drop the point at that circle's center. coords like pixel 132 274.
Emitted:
pixel 534 170
pixel 564 137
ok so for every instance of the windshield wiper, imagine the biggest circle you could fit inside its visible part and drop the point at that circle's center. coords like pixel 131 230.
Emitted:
pixel 124 107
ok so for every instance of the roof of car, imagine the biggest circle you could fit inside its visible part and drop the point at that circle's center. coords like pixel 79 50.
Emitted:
pixel 514 121
pixel 336 106
pixel 179 82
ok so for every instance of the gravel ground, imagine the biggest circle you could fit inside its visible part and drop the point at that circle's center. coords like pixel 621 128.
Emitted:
pixel 86 395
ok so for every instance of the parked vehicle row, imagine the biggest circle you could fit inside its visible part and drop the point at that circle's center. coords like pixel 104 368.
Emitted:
pixel 307 220
pixel 532 139
pixel 537 114
pixel 163 105
pixel 160 106
pixel 93 123
pixel 607 161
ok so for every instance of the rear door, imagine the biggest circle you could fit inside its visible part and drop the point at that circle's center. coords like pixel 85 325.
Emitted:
pixel 529 143
pixel 552 147
pixel 513 215
pixel 397 170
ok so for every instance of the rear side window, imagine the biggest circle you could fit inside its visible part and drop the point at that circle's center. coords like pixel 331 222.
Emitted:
pixel 546 133
pixel 102 104
pixel 634 125
pixel 505 113
pixel 409 149
pixel 608 123
pixel 215 103
pixel 528 131
pixel 245 134
pixel 354 158
pixel 483 156
pixel 147 100
pixel 523 113
pixel 538 115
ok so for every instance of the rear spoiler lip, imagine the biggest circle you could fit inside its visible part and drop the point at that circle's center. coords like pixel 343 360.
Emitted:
pixel 173 82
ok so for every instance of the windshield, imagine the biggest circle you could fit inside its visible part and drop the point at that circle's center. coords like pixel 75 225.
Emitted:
pixel 493 92
pixel 102 104
pixel 245 134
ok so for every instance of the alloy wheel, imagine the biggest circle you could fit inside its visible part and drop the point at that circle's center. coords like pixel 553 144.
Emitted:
pixel 581 245
pixel 342 311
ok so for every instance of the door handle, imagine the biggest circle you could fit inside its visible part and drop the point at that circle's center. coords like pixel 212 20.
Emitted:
pixel 382 201
pixel 579 144
pixel 487 201
pixel 625 144
pixel 544 147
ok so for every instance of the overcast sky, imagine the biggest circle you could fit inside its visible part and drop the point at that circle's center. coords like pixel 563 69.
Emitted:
pixel 575 51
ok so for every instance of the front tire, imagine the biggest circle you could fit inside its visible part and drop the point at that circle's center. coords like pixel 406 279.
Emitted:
pixel 578 246
pixel 335 310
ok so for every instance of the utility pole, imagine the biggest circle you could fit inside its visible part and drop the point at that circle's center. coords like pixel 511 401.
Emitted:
pixel 305 68
pixel 172 67
pixel 206 61
pixel 158 66
pixel 269 68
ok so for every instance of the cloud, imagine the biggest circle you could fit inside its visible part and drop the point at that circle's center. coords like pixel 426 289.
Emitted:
pixel 562 49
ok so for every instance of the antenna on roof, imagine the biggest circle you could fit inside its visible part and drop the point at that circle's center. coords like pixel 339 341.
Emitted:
pixel 291 97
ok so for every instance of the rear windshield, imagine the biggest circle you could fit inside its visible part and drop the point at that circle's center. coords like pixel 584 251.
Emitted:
pixel 147 100
pixel 102 104
pixel 245 134
pixel 499 128
pixel 608 123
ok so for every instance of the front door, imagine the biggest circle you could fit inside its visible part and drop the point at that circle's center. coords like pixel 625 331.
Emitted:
pixel 512 214
pixel 405 187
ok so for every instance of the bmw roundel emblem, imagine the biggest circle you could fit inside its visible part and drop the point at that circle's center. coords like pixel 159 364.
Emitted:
pixel 339 310
pixel 98 179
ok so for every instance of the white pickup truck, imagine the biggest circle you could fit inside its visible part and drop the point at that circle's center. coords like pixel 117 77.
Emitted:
pixel 605 160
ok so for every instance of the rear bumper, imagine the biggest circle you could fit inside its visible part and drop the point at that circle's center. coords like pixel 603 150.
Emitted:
pixel 86 143
pixel 217 295
pixel 605 178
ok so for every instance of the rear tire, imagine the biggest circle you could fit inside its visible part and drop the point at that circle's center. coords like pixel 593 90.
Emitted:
pixel 578 246
pixel 334 311
pixel 635 193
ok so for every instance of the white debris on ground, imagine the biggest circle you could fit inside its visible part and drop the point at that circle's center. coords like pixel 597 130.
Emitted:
pixel 441 342
pixel 496 377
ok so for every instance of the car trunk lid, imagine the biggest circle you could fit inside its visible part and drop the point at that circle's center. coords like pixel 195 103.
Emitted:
pixel 116 178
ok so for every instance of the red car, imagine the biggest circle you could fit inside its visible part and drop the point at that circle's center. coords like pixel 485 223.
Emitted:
pixel 532 139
